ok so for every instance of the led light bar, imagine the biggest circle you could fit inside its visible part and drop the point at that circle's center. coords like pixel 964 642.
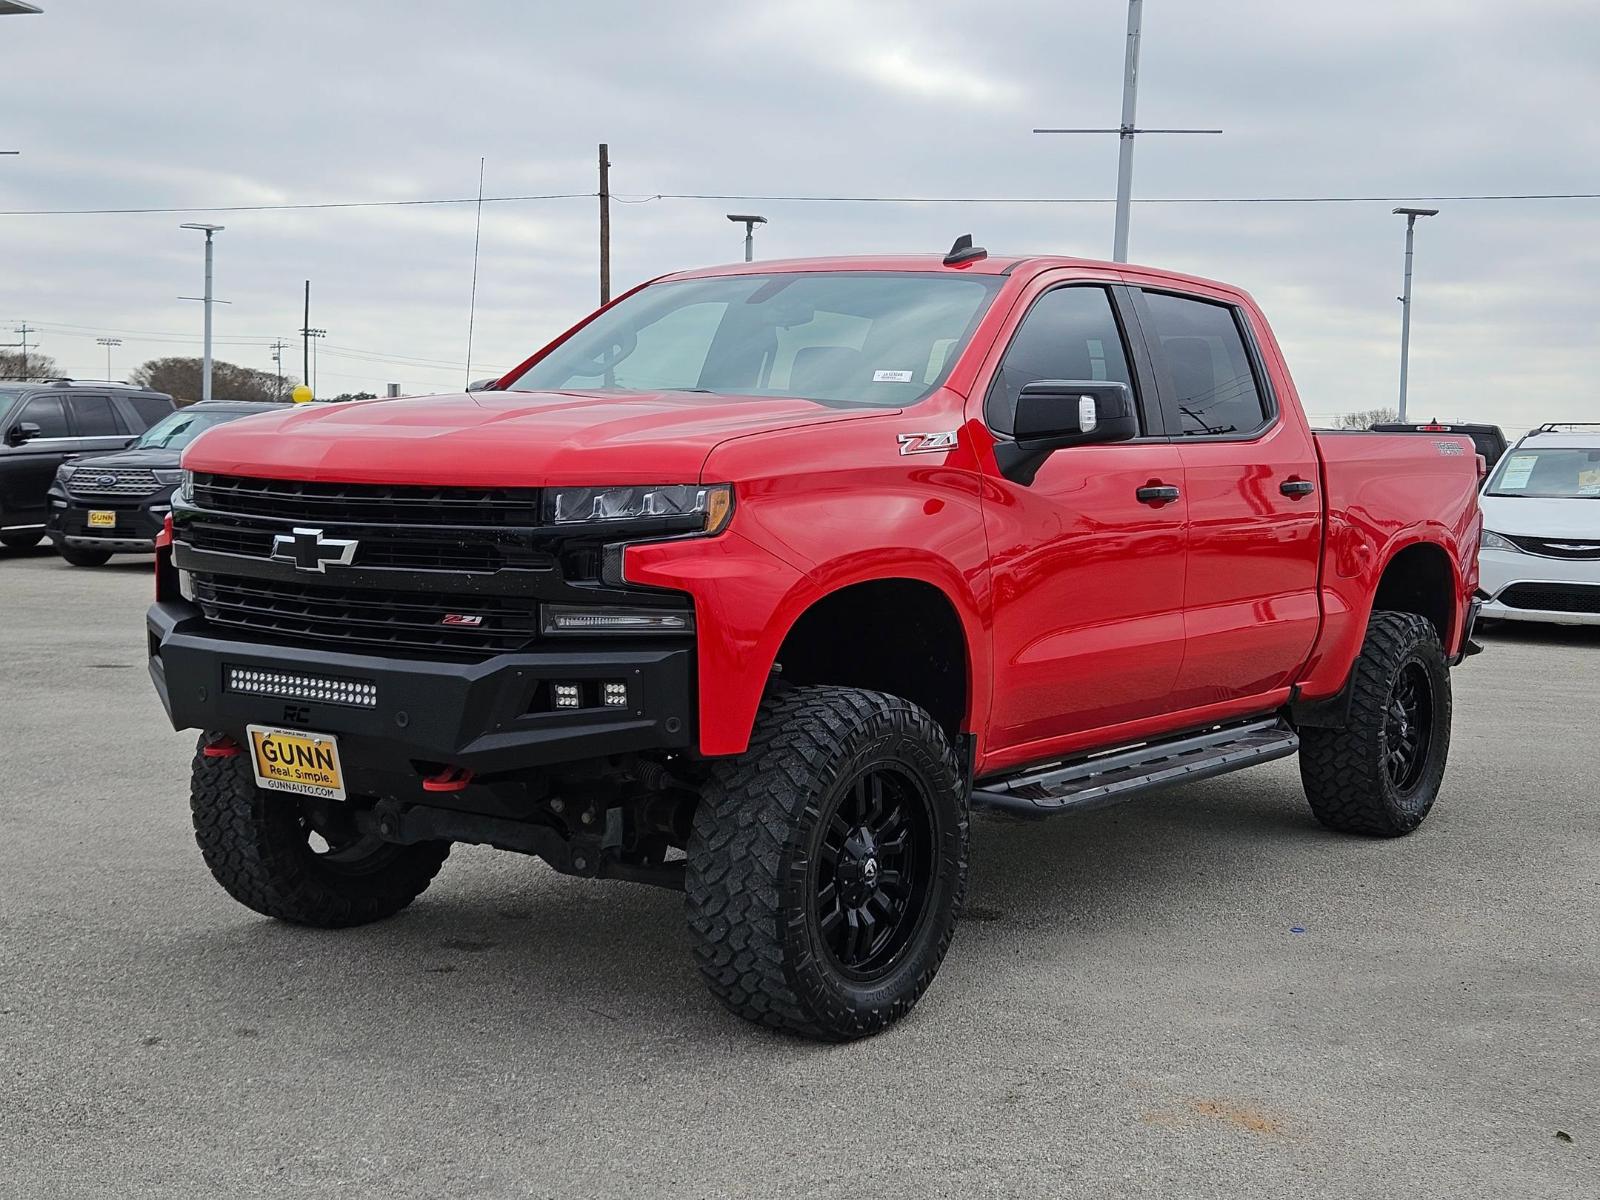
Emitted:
pixel 356 693
pixel 594 618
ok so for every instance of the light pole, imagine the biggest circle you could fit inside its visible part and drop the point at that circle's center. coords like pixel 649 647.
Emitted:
pixel 1411 215
pixel 205 368
pixel 108 342
pixel 749 221
pixel 313 336
pixel 1125 132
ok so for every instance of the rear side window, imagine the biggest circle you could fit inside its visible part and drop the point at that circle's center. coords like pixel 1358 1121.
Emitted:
pixel 48 414
pixel 94 417
pixel 1213 388
pixel 1069 333
pixel 150 409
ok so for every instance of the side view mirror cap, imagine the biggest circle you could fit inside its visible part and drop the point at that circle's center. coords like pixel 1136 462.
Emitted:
pixel 22 431
pixel 1056 413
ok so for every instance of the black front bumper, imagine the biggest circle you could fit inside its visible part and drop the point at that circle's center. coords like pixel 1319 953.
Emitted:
pixel 138 521
pixel 489 716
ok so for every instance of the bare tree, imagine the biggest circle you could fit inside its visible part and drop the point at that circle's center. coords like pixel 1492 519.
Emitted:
pixel 38 366
pixel 180 379
pixel 1367 418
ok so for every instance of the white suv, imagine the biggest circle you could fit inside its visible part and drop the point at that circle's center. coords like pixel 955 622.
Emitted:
pixel 1541 530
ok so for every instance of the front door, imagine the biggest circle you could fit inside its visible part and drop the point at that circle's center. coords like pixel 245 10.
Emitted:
pixel 1087 576
pixel 27 468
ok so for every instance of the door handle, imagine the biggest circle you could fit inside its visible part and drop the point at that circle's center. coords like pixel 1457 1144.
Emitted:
pixel 1297 487
pixel 1153 493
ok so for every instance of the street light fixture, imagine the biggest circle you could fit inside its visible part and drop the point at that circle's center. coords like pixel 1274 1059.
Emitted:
pixel 108 342
pixel 1411 215
pixel 205 368
pixel 750 221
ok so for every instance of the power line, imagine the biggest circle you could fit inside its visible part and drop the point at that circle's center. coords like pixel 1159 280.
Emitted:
pixel 230 208
pixel 808 199
pixel 845 199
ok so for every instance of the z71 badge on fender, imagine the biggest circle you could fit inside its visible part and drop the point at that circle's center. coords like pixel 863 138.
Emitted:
pixel 927 443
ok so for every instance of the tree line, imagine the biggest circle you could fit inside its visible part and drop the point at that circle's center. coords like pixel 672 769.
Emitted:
pixel 179 378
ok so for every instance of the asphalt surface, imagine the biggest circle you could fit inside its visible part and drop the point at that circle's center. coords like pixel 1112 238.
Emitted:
pixel 1198 994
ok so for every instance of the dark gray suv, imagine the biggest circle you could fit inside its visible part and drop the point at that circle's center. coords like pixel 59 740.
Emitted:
pixel 46 423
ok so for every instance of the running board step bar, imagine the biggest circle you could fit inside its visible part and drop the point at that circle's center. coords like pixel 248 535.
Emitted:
pixel 1111 778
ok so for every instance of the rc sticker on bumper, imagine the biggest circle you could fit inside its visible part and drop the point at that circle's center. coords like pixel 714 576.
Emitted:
pixel 291 760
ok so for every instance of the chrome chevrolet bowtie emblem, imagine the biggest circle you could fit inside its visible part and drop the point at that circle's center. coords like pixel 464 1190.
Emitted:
pixel 308 550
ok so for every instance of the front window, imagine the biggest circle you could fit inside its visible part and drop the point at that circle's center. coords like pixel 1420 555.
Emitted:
pixel 177 430
pixel 1565 473
pixel 837 337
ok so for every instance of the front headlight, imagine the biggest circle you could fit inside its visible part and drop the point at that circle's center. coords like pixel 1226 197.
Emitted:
pixel 1493 541
pixel 167 478
pixel 64 472
pixel 185 482
pixel 711 503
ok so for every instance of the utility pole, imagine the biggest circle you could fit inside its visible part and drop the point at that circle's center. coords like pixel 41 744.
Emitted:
pixel 24 329
pixel 1126 131
pixel 1411 215
pixel 605 224
pixel 277 358
pixel 205 365
pixel 305 339
pixel 108 342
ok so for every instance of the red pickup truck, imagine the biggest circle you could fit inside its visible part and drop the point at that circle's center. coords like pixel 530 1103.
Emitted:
pixel 760 579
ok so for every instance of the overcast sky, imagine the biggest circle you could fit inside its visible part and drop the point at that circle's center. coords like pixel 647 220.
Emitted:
pixel 165 103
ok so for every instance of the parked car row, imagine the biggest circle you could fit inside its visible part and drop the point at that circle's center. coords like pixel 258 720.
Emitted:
pixel 92 465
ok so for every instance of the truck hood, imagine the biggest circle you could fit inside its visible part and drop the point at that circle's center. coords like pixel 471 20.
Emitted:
pixel 501 439
pixel 1542 516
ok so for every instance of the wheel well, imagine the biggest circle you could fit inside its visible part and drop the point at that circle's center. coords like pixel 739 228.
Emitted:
pixel 1419 580
pixel 899 636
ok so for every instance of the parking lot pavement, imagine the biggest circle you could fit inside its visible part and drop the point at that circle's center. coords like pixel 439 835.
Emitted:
pixel 1202 994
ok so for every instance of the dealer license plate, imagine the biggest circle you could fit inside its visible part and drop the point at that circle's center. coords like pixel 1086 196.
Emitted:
pixel 102 518
pixel 292 760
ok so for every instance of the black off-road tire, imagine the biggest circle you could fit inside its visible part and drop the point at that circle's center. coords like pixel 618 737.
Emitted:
pixel 760 846
pixel 22 541
pixel 258 849
pixel 1347 772
pixel 80 557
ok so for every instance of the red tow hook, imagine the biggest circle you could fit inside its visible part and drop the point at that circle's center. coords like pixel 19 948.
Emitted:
pixel 449 779
pixel 221 747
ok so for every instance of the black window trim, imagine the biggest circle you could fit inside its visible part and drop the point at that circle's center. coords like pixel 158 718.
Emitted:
pixel 1263 381
pixel 1146 397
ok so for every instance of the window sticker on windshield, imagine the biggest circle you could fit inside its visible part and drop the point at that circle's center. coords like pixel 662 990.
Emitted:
pixel 893 376
pixel 1518 468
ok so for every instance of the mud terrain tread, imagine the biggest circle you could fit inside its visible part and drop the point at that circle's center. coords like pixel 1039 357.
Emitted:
pixel 1342 769
pixel 748 812
pixel 245 844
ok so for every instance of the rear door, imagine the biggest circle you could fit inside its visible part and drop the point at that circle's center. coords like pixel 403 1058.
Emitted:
pixel 1087 577
pixel 1251 604
pixel 96 423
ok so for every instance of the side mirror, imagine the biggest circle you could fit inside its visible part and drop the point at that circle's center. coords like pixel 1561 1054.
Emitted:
pixel 22 431
pixel 482 385
pixel 1055 413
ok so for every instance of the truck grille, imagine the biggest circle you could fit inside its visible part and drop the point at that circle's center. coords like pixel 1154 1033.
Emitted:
pixel 1553 597
pixel 455 624
pixel 122 481
pixel 1557 547
pixel 366 503
pixel 416 549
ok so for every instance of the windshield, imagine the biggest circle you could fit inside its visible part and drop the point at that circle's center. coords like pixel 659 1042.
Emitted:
pixel 176 431
pixel 837 337
pixel 1568 473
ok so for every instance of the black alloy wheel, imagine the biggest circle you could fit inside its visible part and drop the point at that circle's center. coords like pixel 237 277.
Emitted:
pixel 871 881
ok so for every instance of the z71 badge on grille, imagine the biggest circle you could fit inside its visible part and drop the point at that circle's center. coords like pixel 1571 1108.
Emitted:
pixel 927 443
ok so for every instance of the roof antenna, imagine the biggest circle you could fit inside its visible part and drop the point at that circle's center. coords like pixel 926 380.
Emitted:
pixel 964 251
